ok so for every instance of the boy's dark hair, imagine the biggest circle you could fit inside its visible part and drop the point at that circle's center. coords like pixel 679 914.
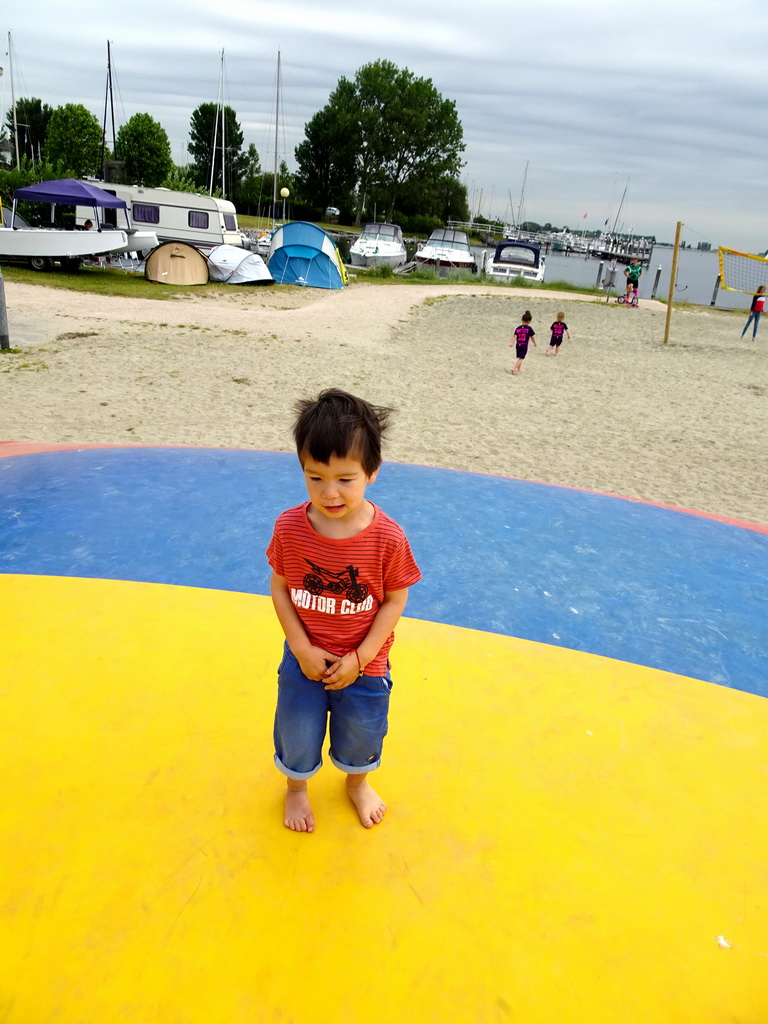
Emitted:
pixel 526 317
pixel 340 424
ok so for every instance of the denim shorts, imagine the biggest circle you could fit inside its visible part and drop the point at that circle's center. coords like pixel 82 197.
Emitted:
pixel 358 722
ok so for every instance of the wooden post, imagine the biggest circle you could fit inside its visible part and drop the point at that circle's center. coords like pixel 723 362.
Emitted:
pixel 672 276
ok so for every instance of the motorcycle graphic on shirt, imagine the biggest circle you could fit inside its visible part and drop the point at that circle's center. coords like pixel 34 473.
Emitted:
pixel 344 582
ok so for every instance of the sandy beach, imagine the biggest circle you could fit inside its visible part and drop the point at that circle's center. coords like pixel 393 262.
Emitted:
pixel 617 411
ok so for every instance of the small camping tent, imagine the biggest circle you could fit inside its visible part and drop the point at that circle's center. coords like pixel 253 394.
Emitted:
pixel 232 264
pixel 302 253
pixel 176 263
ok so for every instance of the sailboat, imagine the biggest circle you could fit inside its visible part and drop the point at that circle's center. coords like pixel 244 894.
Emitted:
pixel 264 240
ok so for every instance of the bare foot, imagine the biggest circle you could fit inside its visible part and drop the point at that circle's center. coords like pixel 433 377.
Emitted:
pixel 298 813
pixel 369 804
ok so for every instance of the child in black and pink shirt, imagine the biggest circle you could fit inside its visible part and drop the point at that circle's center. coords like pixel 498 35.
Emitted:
pixel 523 334
pixel 558 328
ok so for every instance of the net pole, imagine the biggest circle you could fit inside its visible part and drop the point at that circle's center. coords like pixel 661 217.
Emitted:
pixel 672 277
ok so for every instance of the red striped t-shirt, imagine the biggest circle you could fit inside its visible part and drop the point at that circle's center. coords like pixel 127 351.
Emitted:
pixel 338 585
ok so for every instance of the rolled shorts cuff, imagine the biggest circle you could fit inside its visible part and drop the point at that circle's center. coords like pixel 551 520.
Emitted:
pixel 299 776
pixel 351 769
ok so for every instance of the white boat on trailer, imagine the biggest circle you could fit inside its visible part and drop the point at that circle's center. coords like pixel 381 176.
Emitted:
pixel 447 251
pixel 512 259
pixel 42 246
pixel 379 245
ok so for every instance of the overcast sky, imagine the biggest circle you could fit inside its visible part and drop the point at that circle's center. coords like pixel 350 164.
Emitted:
pixel 666 98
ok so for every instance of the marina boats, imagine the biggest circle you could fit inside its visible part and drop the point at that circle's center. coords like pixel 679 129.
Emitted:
pixel 512 259
pixel 379 245
pixel 447 250
pixel 42 246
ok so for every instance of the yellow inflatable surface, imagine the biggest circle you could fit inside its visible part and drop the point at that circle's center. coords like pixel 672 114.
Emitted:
pixel 563 842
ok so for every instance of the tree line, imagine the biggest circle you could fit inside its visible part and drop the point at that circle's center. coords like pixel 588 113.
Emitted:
pixel 386 146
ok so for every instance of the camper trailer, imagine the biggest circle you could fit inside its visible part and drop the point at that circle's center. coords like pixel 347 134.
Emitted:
pixel 199 220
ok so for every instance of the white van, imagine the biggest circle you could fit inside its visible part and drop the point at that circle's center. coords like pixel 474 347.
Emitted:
pixel 200 220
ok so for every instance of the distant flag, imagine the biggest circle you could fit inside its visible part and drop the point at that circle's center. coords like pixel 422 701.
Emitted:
pixel 584 217
pixel 606 223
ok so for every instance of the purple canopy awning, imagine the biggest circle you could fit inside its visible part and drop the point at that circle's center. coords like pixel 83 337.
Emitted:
pixel 69 192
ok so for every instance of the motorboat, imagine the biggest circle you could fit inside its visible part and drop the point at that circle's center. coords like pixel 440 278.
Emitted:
pixel 447 250
pixel 379 245
pixel 41 246
pixel 512 259
pixel 262 244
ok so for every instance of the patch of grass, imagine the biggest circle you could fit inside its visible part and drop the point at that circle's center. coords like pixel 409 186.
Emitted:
pixel 10 351
pixel 381 272
pixel 71 335
pixel 36 366
pixel 566 286
pixel 240 380
pixel 92 281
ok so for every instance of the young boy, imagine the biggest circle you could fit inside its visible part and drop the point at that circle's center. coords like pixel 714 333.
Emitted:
pixel 341 569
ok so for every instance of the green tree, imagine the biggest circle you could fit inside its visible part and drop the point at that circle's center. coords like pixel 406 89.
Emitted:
pixel 327 160
pixel 399 127
pixel 211 134
pixel 249 189
pixel 179 179
pixel 32 118
pixel 143 145
pixel 442 199
pixel 74 139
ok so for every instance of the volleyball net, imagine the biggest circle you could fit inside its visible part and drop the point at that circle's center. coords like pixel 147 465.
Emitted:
pixel 742 272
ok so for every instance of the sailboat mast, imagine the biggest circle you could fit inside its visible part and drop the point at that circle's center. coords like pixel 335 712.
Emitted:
pixel 109 100
pixel 521 207
pixel 277 121
pixel 621 204
pixel 223 135
pixel 216 125
pixel 13 104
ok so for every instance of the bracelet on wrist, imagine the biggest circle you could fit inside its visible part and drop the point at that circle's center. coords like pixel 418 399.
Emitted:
pixel 359 663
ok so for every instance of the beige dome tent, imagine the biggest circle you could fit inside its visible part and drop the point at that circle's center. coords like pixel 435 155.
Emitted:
pixel 176 263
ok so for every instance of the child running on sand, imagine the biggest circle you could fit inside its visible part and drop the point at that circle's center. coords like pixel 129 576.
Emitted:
pixel 523 334
pixel 341 569
pixel 558 328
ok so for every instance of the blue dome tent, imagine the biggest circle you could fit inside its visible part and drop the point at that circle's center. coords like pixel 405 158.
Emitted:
pixel 302 253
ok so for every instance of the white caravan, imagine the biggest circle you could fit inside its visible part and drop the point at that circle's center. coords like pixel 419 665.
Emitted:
pixel 199 220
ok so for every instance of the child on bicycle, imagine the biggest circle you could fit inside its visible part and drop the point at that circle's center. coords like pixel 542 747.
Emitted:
pixel 341 569
pixel 632 274
pixel 558 328
pixel 523 334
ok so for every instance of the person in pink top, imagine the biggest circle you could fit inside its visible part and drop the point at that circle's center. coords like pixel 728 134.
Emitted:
pixel 341 569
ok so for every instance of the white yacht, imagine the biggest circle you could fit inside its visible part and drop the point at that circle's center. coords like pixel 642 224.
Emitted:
pixel 511 259
pixel 447 250
pixel 379 245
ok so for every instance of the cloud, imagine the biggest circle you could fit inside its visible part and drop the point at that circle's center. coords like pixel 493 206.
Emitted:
pixel 668 95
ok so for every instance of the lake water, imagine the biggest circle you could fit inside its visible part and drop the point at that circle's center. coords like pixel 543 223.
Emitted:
pixel 697 273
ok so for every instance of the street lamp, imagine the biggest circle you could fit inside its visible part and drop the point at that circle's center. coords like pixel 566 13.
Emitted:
pixel 284 192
